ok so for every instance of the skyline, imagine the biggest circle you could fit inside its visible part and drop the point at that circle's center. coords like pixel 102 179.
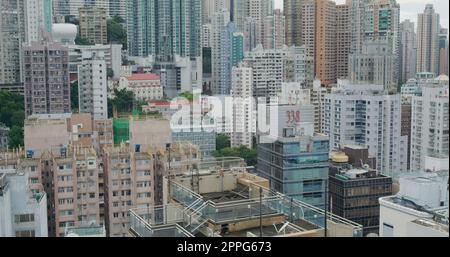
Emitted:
pixel 409 9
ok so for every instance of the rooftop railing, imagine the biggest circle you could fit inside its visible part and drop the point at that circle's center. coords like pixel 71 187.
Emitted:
pixel 194 212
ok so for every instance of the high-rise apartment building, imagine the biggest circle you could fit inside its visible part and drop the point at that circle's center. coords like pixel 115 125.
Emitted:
pixel 318 34
pixel 366 115
pixel 93 25
pixel 308 26
pixel 443 52
pixel 428 28
pixel 343 39
pixel 76 188
pixel 46 78
pixel 63 8
pixel 92 86
pixel 373 65
pixel 237 46
pixel 210 7
pixel 220 53
pixel 249 34
pixel 70 179
pixel 317 99
pixel 274 26
pixel 376 20
pixel 430 123
pixel 293 13
pixel 408 51
pixel 272 67
pixel 164 28
pixel 118 8
pixel 12 36
pixel 38 15
pixel 129 179
pixel 406 126
pixel 112 54
pixel 325 42
pixel 244 120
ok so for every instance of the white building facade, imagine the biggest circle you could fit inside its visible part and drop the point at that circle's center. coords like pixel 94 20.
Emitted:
pixel 92 86
pixel 22 213
pixel 420 209
pixel 366 115
pixel 430 123
pixel 244 116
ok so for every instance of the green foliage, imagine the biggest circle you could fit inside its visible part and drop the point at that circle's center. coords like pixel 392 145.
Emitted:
pixel 12 114
pixel 222 141
pixel 123 101
pixel 109 72
pixel 116 31
pixel 16 136
pixel 249 155
pixel 71 19
pixel 74 96
pixel 188 95
pixel 81 41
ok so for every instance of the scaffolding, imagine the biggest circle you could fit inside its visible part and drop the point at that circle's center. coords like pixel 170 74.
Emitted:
pixel 121 130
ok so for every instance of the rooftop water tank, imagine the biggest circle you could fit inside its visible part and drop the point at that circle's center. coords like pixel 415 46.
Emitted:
pixel 64 33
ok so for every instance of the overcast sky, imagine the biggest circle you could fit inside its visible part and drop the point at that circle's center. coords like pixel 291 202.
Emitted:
pixel 410 8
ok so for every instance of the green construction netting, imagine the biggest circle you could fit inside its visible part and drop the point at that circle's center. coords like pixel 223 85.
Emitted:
pixel 121 130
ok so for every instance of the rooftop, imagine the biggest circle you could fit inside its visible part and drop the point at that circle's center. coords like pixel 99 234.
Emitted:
pixel 355 174
pixel 230 202
pixel 144 76
pixel 439 214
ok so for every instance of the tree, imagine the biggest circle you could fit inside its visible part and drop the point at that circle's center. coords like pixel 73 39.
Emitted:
pixel 74 96
pixel 123 101
pixel 12 114
pixel 188 95
pixel 81 41
pixel 16 136
pixel 249 155
pixel 71 19
pixel 222 141
pixel 116 31
pixel 109 72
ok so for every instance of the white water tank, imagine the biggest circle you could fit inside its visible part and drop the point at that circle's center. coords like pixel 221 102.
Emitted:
pixel 64 33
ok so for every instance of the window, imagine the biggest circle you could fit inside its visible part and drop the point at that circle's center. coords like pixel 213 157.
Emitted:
pixel 24 218
pixel 25 233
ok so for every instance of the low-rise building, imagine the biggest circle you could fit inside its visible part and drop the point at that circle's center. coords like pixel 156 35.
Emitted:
pixel 419 209
pixel 145 86
pixel 221 199
pixel 354 193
